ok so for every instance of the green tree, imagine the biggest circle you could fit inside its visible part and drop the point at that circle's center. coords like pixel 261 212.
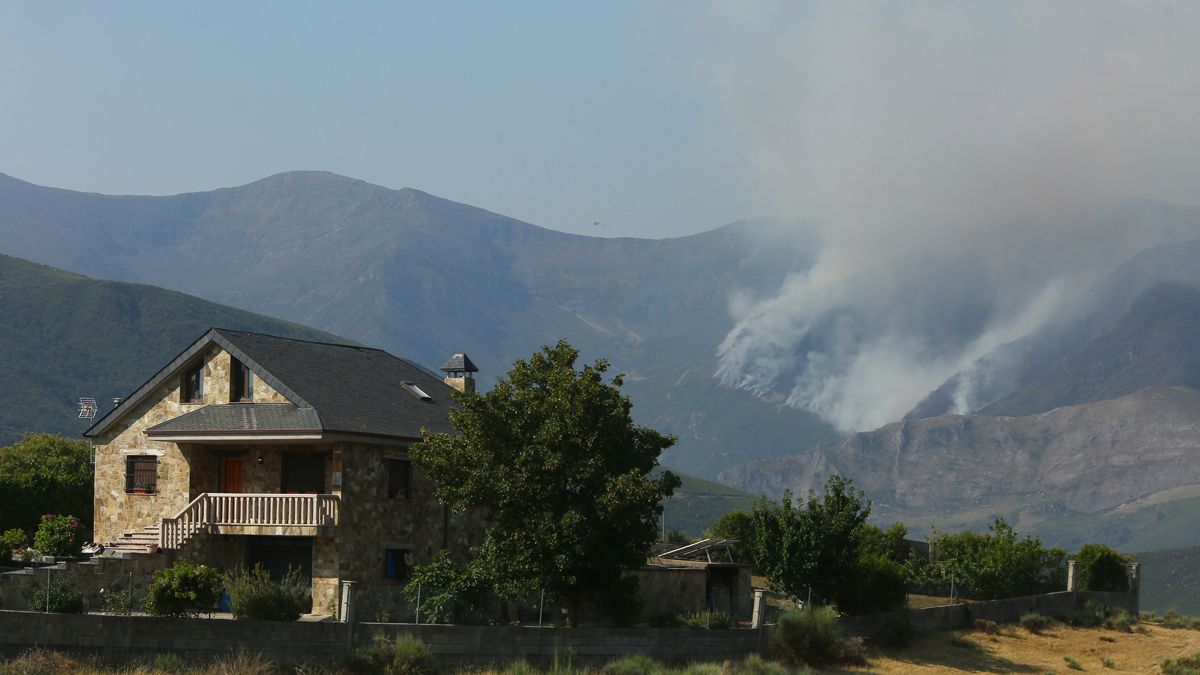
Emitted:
pixel 997 564
pixel 552 456
pixel 815 544
pixel 887 543
pixel 737 525
pixel 45 473
pixel 1101 569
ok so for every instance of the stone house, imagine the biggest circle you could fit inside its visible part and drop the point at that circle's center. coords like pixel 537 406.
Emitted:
pixel 254 449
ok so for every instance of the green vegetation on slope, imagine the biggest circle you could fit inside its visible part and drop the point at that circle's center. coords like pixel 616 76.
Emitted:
pixel 66 336
pixel 1171 580
pixel 698 503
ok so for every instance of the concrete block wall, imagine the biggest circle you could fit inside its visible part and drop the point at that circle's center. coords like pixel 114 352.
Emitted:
pixel 116 637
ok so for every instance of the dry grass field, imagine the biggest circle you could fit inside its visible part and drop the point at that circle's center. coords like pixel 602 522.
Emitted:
pixel 1015 650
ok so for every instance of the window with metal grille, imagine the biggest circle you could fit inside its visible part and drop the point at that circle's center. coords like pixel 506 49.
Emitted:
pixel 141 473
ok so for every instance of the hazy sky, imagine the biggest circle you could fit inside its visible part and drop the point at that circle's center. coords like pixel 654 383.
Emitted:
pixel 560 114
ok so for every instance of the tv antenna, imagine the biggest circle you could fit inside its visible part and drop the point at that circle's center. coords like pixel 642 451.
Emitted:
pixel 87 408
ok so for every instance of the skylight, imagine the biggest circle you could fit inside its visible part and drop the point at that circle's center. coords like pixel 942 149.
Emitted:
pixel 417 391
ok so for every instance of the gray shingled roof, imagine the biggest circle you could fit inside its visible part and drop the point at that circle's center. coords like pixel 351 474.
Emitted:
pixel 241 417
pixel 354 390
pixel 344 389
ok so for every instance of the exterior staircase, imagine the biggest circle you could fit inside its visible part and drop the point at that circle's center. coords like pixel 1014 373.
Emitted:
pixel 134 542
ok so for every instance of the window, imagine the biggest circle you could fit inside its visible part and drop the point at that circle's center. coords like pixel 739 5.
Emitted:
pixel 397 563
pixel 191 390
pixel 241 382
pixel 399 478
pixel 141 474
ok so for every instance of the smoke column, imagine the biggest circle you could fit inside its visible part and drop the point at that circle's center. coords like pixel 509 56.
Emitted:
pixel 959 161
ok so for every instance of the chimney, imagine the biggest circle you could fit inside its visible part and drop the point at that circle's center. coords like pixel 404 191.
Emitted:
pixel 460 373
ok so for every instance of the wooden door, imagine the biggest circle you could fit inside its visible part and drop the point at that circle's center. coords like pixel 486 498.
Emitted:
pixel 230 476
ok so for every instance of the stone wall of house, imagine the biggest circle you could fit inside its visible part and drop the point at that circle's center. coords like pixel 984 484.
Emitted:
pixel 262 465
pixel 372 522
pixel 117 512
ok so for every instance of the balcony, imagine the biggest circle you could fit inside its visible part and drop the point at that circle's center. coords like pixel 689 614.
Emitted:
pixel 250 514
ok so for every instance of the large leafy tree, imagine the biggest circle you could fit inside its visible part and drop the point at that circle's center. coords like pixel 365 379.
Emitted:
pixel 998 564
pixel 814 544
pixel 45 473
pixel 552 456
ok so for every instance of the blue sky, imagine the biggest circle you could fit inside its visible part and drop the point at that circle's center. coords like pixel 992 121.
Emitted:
pixel 557 113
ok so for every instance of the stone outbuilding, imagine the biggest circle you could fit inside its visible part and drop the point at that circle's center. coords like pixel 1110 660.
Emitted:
pixel 254 449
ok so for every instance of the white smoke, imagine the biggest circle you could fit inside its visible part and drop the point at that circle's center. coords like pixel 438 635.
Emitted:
pixel 956 159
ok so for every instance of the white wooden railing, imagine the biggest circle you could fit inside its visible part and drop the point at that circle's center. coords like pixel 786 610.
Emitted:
pixel 214 509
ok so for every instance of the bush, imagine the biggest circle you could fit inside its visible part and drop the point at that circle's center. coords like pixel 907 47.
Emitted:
pixel 664 621
pixel 896 629
pixel 10 541
pixel 634 664
pixel 808 636
pixel 43 473
pixel 113 601
pixel 64 599
pixel 1036 623
pixel 1072 663
pixel 450 593
pixel 1094 615
pixel 1184 665
pixel 757 665
pixel 1101 569
pixel 253 594
pixel 1173 619
pixel 406 655
pixel 183 589
pixel 58 536
pixel 709 620
pixel 879 586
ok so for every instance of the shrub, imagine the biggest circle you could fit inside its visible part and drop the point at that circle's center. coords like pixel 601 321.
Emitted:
pixel 757 665
pixel 253 594
pixel 1036 623
pixel 241 663
pixel 64 599
pixel 1184 665
pixel 449 593
pixel 709 620
pixel 1173 619
pixel 405 655
pixel 183 589
pixel 1094 615
pixel 1101 569
pixel 113 601
pixel 1072 663
pixel 807 636
pixel 10 541
pixel 58 535
pixel 43 473
pixel 896 629
pixel 634 664
pixel 664 621
pixel 989 627
pixel 879 586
